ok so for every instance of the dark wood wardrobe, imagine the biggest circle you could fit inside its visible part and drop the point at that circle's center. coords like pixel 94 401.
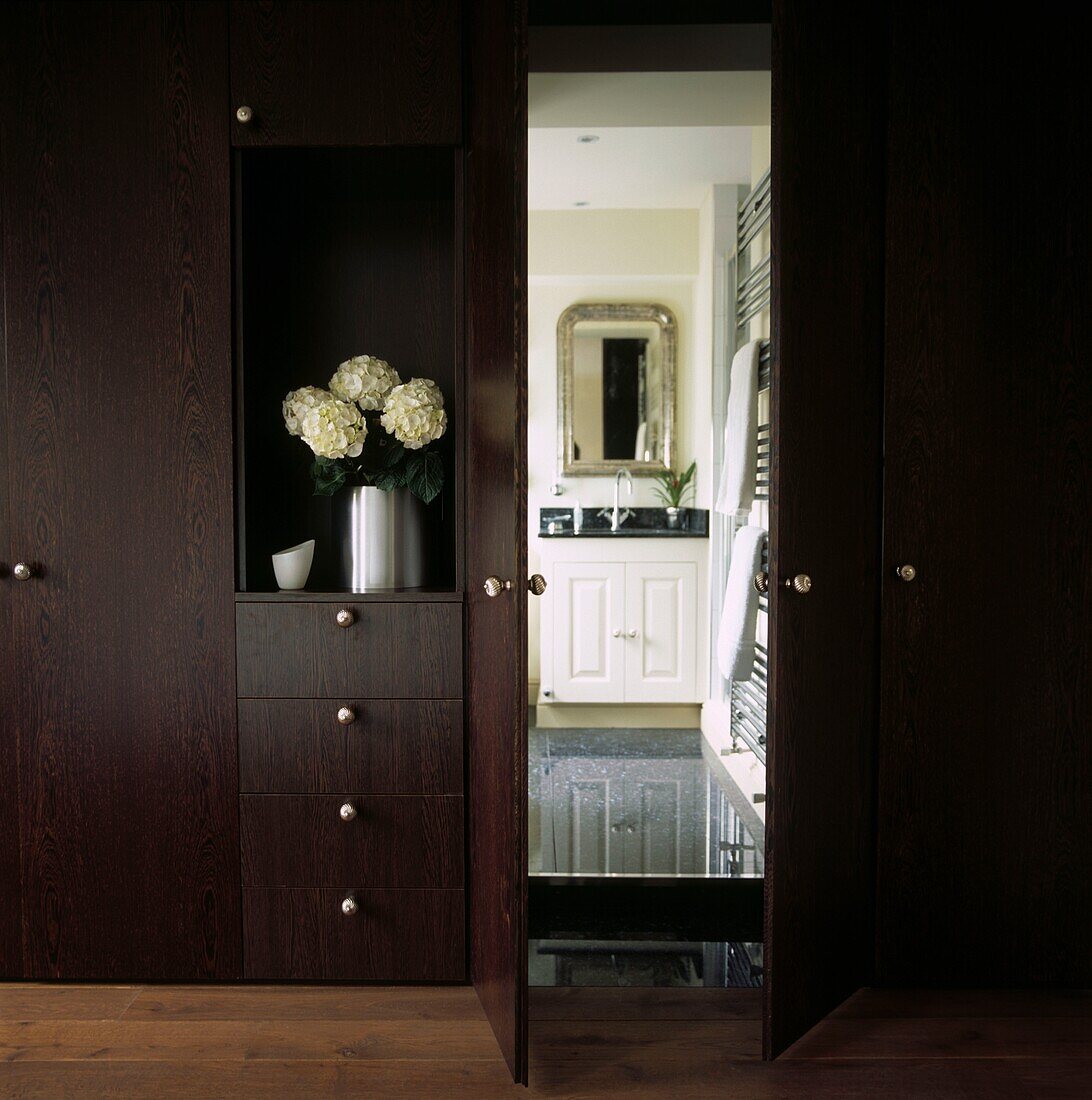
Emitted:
pixel 205 205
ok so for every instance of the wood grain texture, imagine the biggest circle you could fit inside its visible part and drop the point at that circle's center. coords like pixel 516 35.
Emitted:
pixel 391 650
pixel 985 821
pixel 116 248
pixel 369 1041
pixel 340 252
pixel 11 886
pixel 403 746
pixel 343 73
pixel 496 507
pixel 399 840
pixel 825 508
pixel 396 935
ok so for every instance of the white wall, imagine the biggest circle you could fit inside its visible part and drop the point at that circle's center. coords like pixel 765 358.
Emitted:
pixel 614 256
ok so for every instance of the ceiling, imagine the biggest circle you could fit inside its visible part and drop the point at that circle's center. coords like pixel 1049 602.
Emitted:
pixel 634 167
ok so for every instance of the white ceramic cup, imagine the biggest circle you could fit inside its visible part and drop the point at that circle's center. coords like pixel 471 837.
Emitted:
pixel 293 565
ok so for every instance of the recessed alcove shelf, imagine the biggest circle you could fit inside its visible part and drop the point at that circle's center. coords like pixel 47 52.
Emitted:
pixel 381 595
pixel 340 252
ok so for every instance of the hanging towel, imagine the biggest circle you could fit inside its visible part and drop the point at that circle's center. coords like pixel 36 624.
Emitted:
pixel 740 465
pixel 736 636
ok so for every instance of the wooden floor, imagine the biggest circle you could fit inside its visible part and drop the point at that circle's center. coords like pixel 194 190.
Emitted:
pixel 269 1042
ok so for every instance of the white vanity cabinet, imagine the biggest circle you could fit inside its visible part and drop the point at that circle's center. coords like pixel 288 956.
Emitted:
pixel 622 621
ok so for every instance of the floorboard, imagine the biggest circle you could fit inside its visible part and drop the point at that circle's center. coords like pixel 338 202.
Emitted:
pixel 362 1041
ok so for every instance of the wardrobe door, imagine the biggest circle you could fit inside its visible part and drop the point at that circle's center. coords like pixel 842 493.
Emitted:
pixel 121 682
pixel 985 827
pixel 342 72
pixel 496 517
pixel 827 182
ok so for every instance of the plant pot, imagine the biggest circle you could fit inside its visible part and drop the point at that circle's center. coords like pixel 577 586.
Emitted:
pixel 674 517
pixel 379 539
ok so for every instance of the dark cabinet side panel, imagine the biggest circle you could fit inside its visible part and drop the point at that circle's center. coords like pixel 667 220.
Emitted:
pixel 331 72
pixel 985 811
pixel 826 398
pixel 116 246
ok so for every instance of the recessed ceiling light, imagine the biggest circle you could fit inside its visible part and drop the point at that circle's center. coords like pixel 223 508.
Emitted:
pixel 582 202
pixel 588 139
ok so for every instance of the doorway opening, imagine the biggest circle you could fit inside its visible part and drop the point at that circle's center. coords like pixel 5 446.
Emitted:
pixel 649 279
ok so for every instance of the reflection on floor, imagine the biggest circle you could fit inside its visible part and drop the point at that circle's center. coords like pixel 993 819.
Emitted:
pixel 639 802
pixel 636 802
pixel 643 963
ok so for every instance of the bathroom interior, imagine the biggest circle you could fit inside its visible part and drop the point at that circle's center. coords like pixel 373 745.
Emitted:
pixel 648 496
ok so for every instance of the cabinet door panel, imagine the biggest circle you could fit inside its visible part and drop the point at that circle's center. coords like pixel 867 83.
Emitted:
pixel 316 72
pixel 117 280
pixel 589 662
pixel 583 799
pixel 661 605
pixel 664 832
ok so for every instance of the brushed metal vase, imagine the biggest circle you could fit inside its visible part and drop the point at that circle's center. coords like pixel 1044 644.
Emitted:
pixel 379 539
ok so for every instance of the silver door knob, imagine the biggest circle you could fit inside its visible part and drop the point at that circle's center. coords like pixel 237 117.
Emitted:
pixel 347 811
pixel 349 906
pixel 800 583
pixel 244 114
pixel 537 584
pixel 345 715
pixel 616 634
pixel 762 582
pixel 905 572
pixel 494 586
pixel 22 572
pixel 633 633
pixel 345 617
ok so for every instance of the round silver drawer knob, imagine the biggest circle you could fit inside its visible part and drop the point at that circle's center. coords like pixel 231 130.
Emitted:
pixel 22 572
pixel 244 114
pixel 347 811
pixel 633 633
pixel 345 715
pixel 907 572
pixel 494 586
pixel 616 634
pixel 800 584
pixel 345 617
pixel 349 906
pixel 762 582
pixel 536 585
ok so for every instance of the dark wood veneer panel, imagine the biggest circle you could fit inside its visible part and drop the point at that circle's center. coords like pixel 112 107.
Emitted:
pixel 496 515
pixel 395 936
pixel 401 746
pixel 344 73
pixel 827 386
pixel 121 687
pixel 985 812
pixel 392 651
pixel 395 840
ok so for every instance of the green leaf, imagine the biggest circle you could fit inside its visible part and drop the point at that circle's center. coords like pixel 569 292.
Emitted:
pixel 425 475
pixel 389 480
pixel 393 454
pixel 329 476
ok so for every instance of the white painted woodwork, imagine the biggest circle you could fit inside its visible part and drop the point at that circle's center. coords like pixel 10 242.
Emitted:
pixel 661 606
pixel 589 607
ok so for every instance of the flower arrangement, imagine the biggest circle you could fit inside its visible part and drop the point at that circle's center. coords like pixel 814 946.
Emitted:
pixel 673 488
pixel 371 428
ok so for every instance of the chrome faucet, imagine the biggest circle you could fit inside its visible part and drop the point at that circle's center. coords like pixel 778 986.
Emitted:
pixel 618 515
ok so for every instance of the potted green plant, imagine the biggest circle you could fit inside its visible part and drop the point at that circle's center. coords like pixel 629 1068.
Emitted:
pixel 672 489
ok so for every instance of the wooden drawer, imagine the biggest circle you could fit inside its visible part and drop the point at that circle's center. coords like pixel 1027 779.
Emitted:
pixel 394 840
pixel 394 936
pixel 391 746
pixel 390 651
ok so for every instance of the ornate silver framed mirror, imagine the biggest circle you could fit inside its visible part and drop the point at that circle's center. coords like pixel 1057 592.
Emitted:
pixel 616 369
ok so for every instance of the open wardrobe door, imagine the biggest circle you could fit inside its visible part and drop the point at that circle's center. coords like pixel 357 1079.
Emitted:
pixel 826 395
pixel 496 503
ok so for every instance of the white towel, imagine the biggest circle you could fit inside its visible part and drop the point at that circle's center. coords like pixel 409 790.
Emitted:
pixel 736 636
pixel 740 464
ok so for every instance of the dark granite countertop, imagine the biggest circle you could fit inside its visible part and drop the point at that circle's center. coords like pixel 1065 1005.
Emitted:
pixel 642 523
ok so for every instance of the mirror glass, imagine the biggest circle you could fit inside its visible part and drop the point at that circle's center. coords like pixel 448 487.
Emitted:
pixel 616 382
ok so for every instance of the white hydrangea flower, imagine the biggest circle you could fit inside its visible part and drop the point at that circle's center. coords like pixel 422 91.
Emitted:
pixel 414 413
pixel 296 405
pixel 365 380
pixel 334 429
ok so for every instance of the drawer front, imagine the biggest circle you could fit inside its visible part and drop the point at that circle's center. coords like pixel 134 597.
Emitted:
pixel 388 746
pixel 394 935
pixel 389 650
pixel 392 840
